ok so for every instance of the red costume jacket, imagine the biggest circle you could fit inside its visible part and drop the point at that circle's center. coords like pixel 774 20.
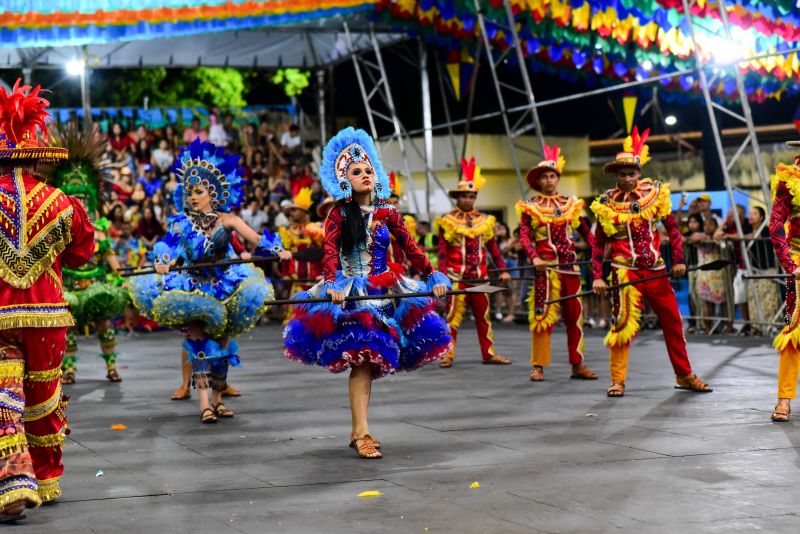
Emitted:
pixel 40 229
pixel 628 222
pixel 464 239
pixel 546 225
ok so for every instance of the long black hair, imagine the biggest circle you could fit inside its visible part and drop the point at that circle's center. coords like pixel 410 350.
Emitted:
pixel 354 230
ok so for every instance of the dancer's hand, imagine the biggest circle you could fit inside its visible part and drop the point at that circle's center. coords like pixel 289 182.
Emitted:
pixel 600 287
pixel 285 255
pixel 538 264
pixel 337 297
pixel 678 270
pixel 439 291
pixel 505 277
pixel 246 256
pixel 796 273
pixel 162 269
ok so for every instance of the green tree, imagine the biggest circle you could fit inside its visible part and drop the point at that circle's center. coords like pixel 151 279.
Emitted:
pixel 202 86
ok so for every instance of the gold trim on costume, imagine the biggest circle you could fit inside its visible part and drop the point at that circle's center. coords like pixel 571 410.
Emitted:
pixel 19 494
pixel 12 369
pixel 456 226
pixel 37 411
pixel 49 490
pixel 570 211
pixel 35 316
pixel 10 443
pixel 48 440
pixel 654 205
pixel 44 376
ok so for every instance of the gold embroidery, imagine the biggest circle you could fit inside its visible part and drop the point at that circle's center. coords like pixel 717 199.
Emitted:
pixel 49 489
pixel 11 369
pixel 44 376
pixel 48 440
pixel 37 411
pixel 455 229
pixel 35 316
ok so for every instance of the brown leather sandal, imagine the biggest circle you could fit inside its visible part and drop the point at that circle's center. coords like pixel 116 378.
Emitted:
pixel 692 383
pixel 365 447
pixel 113 375
pixel 182 393
pixel 13 512
pixel 222 411
pixel 497 360
pixel 231 392
pixel 581 372
pixel 537 373
pixel 208 417
pixel 616 389
pixel 446 362
pixel 781 413
pixel 68 377
pixel 375 442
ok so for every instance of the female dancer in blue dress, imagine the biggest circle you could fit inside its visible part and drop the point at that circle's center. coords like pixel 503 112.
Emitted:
pixel 213 304
pixel 374 337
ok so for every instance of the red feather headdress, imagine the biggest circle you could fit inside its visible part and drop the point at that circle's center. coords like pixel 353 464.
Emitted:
pixel 22 112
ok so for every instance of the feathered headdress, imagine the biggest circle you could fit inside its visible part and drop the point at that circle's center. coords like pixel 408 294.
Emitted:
pixel 206 164
pixel 635 153
pixel 395 187
pixel 80 175
pixel 22 113
pixel 553 161
pixel 471 178
pixel 345 148
pixel 302 199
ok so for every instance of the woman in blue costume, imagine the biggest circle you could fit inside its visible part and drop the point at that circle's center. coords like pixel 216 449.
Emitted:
pixel 373 337
pixel 212 304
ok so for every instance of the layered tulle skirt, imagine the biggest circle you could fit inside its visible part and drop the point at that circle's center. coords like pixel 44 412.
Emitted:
pixel 392 335
pixel 228 301
pixel 99 301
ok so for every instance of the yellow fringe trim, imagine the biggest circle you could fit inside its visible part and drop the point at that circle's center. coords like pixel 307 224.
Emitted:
pixel 20 494
pixel 791 332
pixel 454 230
pixel 571 214
pixel 9 444
pixel 655 207
pixel 456 314
pixel 48 440
pixel 44 376
pixel 49 489
pixel 30 319
pixel 12 369
pixel 37 411
pixel 545 322
pixel 627 322
pixel 789 175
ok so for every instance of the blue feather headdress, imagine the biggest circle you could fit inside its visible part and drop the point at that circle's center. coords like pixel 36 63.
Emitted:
pixel 345 148
pixel 206 164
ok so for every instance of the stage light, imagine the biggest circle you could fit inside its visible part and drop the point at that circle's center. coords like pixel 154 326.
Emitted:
pixel 647 65
pixel 670 120
pixel 75 67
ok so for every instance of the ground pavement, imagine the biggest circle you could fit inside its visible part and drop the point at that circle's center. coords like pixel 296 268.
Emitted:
pixel 556 456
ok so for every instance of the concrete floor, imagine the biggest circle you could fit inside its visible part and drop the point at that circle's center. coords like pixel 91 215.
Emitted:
pixel 557 456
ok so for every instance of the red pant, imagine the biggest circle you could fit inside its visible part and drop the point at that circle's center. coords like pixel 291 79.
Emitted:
pixel 571 310
pixel 627 304
pixel 479 303
pixel 30 379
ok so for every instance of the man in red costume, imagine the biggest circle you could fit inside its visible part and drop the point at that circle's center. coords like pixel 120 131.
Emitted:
pixel 546 224
pixel 465 237
pixel 627 219
pixel 42 229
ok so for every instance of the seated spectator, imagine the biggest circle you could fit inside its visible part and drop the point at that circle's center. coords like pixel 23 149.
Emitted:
pixel 253 215
pixel 123 184
pixel 291 144
pixel 118 138
pixel 194 132
pixel 282 217
pixel 152 184
pixel 149 228
pixel 142 153
pixel 163 157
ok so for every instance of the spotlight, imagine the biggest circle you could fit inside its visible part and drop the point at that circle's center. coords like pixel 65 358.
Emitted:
pixel 75 67
pixel 647 65
pixel 670 120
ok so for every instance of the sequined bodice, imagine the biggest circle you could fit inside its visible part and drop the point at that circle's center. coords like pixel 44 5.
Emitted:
pixel 369 258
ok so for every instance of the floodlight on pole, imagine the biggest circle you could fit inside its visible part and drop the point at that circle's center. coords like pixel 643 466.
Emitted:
pixel 670 120
pixel 75 67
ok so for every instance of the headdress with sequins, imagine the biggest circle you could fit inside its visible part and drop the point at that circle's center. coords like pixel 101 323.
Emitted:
pixel 345 148
pixel 206 164
pixel 22 112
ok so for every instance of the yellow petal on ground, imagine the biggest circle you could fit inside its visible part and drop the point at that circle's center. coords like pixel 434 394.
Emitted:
pixel 119 427
pixel 371 493
pixel 474 485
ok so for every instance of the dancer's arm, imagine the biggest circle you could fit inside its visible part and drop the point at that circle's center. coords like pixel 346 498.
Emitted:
pixel 437 282
pixel 676 242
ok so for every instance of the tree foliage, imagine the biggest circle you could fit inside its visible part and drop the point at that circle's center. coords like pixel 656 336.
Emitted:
pixel 202 86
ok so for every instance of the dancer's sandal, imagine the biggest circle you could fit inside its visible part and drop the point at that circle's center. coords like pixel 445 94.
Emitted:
pixel 222 411
pixel 446 362
pixel 182 393
pixel 208 417
pixel 537 374
pixel 365 447
pixel 113 375
pixel 781 413
pixel 616 389
pixel 692 383
pixel 375 442
pixel 231 392
pixel 581 372
pixel 497 360
pixel 13 512
pixel 68 377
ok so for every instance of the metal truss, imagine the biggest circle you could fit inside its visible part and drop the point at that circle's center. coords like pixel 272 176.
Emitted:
pixel 525 118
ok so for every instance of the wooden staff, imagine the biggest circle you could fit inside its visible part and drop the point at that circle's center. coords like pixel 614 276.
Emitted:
pixel 485 289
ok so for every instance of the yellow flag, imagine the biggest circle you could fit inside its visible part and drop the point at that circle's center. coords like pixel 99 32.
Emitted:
pixel 629 107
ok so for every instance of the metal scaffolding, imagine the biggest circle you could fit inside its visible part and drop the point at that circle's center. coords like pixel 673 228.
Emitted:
pixel 528 118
